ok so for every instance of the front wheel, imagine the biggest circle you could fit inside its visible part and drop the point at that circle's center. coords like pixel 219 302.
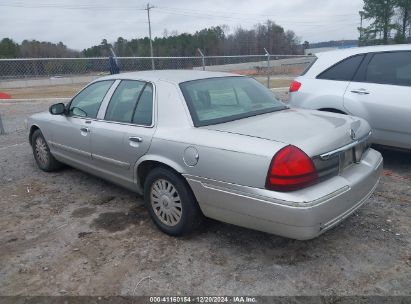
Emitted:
pixel 44 159
pixel 171 203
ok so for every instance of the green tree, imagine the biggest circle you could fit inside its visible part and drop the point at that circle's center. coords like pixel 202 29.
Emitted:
pixel 8 48
pixel 404 14
pixel 381 12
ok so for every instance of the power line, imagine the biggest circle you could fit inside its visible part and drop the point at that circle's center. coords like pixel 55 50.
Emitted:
pixel 70 7
pixel 237 19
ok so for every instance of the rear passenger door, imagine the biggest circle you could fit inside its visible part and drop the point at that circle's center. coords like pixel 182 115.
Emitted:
pixel 381 93
pixel 124 134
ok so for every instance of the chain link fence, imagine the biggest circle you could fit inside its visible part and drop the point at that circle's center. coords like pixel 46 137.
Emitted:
pixel 253 65
pixel 47 79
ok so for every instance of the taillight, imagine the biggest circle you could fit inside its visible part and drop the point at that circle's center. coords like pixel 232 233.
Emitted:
pixel 290 169
pixel 295 86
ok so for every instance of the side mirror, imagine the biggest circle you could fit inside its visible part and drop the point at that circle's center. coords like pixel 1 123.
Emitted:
pixel 57 109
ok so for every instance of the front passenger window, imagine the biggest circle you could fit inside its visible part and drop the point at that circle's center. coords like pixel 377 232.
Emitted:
pixel 390 68
pixel 87 102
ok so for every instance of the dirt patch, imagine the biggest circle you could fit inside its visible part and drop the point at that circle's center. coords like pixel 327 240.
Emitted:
pixel 84 234
pixel 59 91
pixel 83 212
pixel 102 200
pixel 118 221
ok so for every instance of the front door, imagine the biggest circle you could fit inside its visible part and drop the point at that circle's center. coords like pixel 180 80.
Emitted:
pixel 382 96
pixel 70 137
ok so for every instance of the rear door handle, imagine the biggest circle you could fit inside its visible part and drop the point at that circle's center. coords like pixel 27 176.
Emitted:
pixel 135 139
pixel 360 91
pixel 86 130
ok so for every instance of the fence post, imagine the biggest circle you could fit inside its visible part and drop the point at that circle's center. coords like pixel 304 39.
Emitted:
pixel 2 132
pixel 202 58
pixel 268 67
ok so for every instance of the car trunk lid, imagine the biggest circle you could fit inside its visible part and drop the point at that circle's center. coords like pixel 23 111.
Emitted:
pixel 314 132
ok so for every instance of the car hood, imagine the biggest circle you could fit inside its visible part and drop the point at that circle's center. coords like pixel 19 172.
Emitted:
pixel 314 132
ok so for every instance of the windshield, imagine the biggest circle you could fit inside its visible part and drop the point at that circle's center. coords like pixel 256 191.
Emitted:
pixel 223 99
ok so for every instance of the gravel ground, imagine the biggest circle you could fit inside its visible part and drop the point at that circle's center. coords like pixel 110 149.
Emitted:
pixel 69 233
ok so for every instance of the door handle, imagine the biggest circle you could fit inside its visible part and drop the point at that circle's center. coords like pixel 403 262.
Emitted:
pixel 135 139
pixel 360 91
pixel 86 130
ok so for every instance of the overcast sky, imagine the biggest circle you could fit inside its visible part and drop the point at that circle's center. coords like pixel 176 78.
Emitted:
pixel 82 23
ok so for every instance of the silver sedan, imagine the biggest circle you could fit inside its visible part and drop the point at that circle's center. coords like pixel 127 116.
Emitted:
pixel 209 144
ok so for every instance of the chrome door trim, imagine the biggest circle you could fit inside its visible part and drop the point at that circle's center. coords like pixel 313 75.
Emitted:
pixel 69 149
pixel 111 161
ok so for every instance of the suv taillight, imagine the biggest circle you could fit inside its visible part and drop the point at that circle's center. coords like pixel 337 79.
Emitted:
pixel 291 169
pixel 294 86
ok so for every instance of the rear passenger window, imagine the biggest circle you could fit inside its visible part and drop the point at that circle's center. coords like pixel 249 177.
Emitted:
pixel 344 70
pixel 144 110
pixel 390 68
pixel 124 101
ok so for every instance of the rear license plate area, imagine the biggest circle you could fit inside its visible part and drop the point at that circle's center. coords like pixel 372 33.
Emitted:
pixel 359 151
pixel 347 159
pixel 352 156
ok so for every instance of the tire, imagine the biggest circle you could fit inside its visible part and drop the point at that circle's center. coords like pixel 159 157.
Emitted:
pixel 171 203
pixel 44 159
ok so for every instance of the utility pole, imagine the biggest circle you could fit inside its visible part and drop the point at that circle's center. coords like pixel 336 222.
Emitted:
pixel 148 8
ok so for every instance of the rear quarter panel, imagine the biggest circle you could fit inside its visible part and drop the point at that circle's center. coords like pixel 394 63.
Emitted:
pixel 319 94
pixel 222 156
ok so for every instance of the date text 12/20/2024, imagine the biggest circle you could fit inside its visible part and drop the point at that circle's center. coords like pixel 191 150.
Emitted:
pixel 203 299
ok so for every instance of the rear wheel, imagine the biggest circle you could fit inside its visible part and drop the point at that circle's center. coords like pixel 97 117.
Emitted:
pixel 44 159
pixel 170 202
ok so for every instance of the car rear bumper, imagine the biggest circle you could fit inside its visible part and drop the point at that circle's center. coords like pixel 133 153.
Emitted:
pixel 302 214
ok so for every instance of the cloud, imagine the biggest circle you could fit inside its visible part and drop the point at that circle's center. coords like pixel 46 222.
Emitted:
pixel 80 24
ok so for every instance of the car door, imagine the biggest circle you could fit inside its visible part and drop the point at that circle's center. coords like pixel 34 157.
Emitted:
pixel 124 133
pixel 381 94
pixel 328 88
pixel 71 132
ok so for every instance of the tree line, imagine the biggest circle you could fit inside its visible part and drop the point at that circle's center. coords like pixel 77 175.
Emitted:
pixel 35 49
pixel 390 22
pixel 211 41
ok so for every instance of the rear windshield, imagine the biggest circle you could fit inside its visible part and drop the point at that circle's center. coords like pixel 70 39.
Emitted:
pixel 223 99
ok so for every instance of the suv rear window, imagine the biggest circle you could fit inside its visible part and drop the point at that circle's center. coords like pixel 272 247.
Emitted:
pixel 343 70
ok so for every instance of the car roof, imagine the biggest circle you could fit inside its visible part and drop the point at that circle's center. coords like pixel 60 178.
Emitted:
pixel 174 76
pixel 364 49
pixel 329 58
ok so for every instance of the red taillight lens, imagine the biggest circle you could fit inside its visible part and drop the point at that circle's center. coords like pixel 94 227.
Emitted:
pixel 295 86
pixel 290 169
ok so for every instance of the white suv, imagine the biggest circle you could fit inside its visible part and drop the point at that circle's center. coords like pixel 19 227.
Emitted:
pixel 370 82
